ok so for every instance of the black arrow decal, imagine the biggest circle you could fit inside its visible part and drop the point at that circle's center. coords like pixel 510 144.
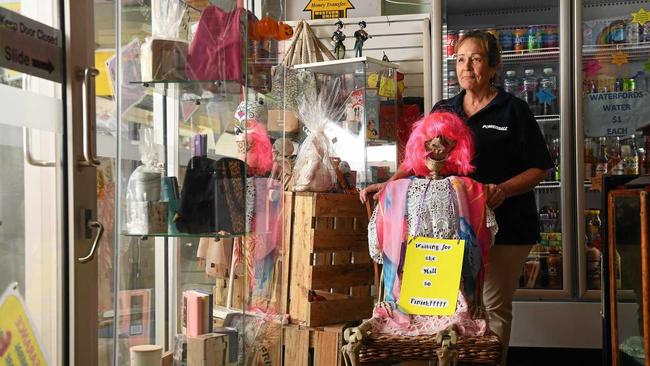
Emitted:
pixel 47 66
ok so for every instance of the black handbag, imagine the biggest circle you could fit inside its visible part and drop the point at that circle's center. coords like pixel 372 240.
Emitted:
pixel 213 197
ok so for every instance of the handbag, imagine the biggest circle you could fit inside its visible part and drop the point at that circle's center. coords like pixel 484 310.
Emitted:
pixel 212 198
pixel 216 52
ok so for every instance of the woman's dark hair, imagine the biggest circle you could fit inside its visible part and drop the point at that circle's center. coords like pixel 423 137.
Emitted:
pixel 489 42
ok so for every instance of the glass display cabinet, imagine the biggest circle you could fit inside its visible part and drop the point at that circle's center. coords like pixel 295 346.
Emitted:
pixel 199 208
pixel 366 98
pixel 626 265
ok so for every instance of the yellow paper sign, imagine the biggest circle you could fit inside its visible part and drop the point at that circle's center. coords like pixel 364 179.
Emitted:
pixel 19 344
pixel 328 9
pixel 431 277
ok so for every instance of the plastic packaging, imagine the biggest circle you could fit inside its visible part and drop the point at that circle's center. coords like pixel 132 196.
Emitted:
pixel 145 212
pixel 314 171
pixel 164 55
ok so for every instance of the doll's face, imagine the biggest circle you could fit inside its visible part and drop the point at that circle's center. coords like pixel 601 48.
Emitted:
pixel 438 148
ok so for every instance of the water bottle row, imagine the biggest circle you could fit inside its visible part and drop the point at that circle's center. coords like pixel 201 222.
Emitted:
pixel 540 91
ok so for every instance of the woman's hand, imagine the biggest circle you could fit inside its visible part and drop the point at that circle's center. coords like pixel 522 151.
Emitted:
pixel 495 195
pixel 373 188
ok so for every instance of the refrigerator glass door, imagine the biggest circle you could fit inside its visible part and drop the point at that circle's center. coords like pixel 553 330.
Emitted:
pixel 612 104
pixel 533 68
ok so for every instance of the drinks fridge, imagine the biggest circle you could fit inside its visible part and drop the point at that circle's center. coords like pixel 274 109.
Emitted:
pixel 583 68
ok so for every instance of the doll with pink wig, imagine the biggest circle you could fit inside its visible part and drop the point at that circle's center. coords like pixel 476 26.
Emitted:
pixel 438 201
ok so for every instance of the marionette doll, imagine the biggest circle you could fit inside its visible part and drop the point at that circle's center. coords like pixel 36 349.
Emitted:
pixel 337 41
pixel 361 37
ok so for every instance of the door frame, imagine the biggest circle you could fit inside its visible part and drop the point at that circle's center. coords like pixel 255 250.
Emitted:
pixel 80 288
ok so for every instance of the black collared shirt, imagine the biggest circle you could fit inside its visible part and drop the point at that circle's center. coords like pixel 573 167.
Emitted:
pixel 507 141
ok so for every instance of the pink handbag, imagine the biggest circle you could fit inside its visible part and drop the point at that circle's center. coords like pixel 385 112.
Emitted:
pixel 216 52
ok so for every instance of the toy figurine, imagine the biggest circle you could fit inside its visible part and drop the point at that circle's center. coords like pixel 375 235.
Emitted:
pixel 361 36
pixel 337 41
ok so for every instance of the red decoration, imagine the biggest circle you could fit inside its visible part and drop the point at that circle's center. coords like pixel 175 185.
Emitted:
pixel 267 28
pixel 284 32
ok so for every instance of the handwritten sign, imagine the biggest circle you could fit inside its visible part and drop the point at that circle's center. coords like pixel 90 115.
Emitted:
pixel 328 9
pixel 431 276
pixel 615 114
pixel 19 344
pixel 30 47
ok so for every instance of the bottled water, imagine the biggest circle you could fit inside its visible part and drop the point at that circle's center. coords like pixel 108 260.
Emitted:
pixel 548 83
pixel 453 87
pixel 510 83
pixel 640 81
pixel 529 93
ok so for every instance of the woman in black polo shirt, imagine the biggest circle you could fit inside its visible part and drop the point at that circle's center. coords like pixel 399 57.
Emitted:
pixel 511 159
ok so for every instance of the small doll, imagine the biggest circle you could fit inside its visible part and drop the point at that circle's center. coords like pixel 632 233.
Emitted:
pixel 361 36
pixel 337 41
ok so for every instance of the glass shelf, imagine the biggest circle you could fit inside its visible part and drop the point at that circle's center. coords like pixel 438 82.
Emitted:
pixel 510 57
pixel 348 66
pixel 548 118
pixel 635 51
pixel 183 235
pixel 548 184
pixel 192 90
pixel 378 142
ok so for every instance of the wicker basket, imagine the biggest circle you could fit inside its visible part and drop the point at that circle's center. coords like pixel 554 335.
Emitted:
pixel 485 350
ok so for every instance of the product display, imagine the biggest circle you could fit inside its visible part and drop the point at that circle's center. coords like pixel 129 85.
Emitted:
pixel 212 198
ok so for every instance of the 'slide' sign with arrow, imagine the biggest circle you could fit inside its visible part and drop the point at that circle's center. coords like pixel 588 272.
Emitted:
pixel 30 47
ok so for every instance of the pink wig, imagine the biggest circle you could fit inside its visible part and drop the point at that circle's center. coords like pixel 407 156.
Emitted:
pixel 443 124
pixel 259 157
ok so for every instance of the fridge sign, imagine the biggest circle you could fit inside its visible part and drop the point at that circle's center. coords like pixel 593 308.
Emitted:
pixel 615 114
pixel 30 47
pixel 431 276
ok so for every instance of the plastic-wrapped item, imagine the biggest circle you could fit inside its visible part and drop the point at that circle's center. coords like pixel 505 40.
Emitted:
pixel 313 170
pixel 164 55
pixel 146 213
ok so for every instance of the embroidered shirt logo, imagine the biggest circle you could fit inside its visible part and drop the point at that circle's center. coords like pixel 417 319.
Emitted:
pixel 495 127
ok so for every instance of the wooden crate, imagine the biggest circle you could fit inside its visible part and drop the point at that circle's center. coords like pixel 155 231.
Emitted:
pixel 326 241
pixel 319 346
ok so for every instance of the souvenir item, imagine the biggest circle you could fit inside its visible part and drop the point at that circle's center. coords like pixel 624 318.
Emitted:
pixel 361 37
pixel 337 41
pixel 212 199
pixel 439 202
pixel 284 32
pixel 216 49
pixel 164 55
pixel 283 152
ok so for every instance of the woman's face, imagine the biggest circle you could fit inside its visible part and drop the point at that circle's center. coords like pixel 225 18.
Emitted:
pixel 472 67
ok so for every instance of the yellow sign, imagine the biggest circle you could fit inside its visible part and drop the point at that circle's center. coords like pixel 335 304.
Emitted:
pixel 328 9
pixel 431 277
pixel 19 344
pixel 641 17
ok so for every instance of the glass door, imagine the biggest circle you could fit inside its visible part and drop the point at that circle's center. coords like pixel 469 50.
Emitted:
pixel 46 221
pixel 611 99
pixel 534 68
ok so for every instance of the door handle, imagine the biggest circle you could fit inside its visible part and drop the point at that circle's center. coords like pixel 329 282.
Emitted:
pixel 88 100
pixel 27 151
pixel 100 231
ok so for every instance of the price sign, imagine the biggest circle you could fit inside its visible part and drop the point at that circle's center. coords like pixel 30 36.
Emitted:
pixel 431 277
pixel 615 114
